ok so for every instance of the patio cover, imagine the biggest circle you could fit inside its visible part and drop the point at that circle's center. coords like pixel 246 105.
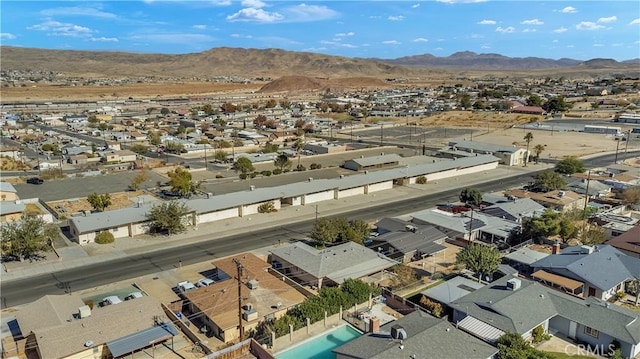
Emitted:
pixel 142 339
pixel 480 329
pixel 562 282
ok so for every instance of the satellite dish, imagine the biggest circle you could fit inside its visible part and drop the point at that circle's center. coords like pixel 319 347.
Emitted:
pixel 88 343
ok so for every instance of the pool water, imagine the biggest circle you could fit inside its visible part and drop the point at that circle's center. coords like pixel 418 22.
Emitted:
pixel 321 347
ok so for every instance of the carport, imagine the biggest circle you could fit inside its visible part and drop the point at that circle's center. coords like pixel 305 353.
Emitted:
pixel 149 337
pixel 554 280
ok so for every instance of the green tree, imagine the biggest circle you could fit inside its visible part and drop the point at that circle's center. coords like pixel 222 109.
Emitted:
pixel 174 147
pixel 164 111
pixel 538 149
pixel 479 258
pixel 243 165
pixel 220 156
pixel 139 149
pixel 534 100
pixel 471 197
pixel 631 195
pixel 27 238
pixel 270 147
pixel 556 104
pixel 359 231
pixel 465 101
pixel 168 217
pixel 513 346
pixel 181 182
pixel 567 229
pixel 569 166
pixel 99 202
pixel 324 231
pixel 298 146
pixel 139 179
pixel 548 181
pixel 282 161
pixel 357 291
pixel 528 138
pixel 590 234
pixel 539 227
pixel 154 138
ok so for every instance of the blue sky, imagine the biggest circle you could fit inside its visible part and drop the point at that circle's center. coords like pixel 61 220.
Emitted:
pixel 385 29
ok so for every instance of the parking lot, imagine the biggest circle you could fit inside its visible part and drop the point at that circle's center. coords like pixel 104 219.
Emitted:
pixel 411 134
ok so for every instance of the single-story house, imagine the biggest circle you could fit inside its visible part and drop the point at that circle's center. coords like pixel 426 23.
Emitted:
pixel 263 295
pixel 518 305
pixel 367 163
pixel 558 200
pixel 452 289
pixel 330 266
pixel 8 192
pixel 514 210
pixel 522 259
pixel 63 326
pixel 628 242
pixel 417 335
pixel 598 271
pixel 410 243
pixel 11 211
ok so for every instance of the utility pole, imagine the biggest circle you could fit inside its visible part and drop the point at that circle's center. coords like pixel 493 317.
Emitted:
pixel 381 135
pixel 239 267
pixel 316 214
pixel 586 200
pixel 617 147
pixel 628 138
pixel 206 165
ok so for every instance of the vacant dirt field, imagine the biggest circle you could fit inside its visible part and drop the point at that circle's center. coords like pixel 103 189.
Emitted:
pixel 142 90
pixel 118 200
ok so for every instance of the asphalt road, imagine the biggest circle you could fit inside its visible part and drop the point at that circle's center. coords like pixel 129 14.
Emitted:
pixel 25 290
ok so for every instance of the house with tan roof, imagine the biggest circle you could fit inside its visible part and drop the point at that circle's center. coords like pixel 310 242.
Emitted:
pixel 263 296
pixel 63 326
pixel 558 200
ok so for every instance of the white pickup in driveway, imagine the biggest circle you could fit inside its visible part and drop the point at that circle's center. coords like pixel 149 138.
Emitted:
pixel 110 300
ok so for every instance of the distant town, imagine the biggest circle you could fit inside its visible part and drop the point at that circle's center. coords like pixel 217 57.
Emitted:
pixel 488 217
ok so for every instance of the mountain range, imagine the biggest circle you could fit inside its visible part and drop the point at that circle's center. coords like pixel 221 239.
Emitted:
pixel 225 61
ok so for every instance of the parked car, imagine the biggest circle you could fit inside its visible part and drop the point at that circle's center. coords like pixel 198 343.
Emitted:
pixel 204 282
pixel 35 180
pixel 133 295
pixel 186 286
pixel 110 300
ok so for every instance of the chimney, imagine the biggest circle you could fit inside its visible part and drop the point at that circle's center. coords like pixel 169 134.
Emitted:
pixel 556 248
pixel 374 325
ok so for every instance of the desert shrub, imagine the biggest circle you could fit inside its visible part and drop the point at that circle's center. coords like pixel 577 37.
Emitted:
pixel 301 168
pixel 267 207
pixel 266 173
pixel 219 176
pixel 104 237
pixel 315 166
pixel 434 307
pixel 243 176
pixel 421 180
pixel 277 171
pixel 539 335
pixel 254 174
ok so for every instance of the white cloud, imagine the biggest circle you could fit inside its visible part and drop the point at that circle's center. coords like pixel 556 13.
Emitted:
pixel 555 41
pixel 588 25
pixel 569 10
pixel 438 49
pixel 415 6
pixel 199 27
pixel 7 36
pixel 307 13
pixel 344 34
pixel 487 22
pixel 338 44
pixel 241 36
pixel 598 45
pixel 635 22
pixel 77 11
pixel 607 19
pixel 391 42
pixel 56 28
pixel 172 38
pixel 529 30
pixel 256 4
pixel 560 30
pixel 505 30
pixel 420 39
pixel 395 18
pixel 617 44
pixel 571 46
pixel 485 47
pixel 375 17
pixel 532 22
pixel 104 39
pixel 257 15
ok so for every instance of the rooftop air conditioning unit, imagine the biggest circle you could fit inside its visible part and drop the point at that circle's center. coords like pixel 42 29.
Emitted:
pixel 514 284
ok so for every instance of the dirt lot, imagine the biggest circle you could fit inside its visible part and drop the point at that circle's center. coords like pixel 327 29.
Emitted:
pixel 143 90
pixel 118 200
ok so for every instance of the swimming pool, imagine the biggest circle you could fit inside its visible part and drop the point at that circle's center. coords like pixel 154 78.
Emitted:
pixel 321 347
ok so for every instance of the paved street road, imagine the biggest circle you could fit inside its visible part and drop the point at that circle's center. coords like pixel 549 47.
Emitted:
pixel 29 289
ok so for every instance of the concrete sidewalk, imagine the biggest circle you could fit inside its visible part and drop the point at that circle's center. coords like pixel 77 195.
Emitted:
pixel 123 247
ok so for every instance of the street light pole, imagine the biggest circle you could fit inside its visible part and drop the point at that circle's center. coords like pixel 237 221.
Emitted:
pixel 617 147
pixel 206 165
pixel 381 135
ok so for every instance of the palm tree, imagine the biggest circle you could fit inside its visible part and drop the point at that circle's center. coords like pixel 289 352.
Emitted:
pixel 298 146
pixel 528 137
pixel 537 149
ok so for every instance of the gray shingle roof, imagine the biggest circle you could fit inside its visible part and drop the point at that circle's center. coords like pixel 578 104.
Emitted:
pixel 452 289
pixel 427 337
pixel 347 260
pixel 481 146
pixel 513 210
pixel 11 207
pixel 526 256
pixel 406 242
pixel 375 160
pixel 523 309
pixel 589 267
